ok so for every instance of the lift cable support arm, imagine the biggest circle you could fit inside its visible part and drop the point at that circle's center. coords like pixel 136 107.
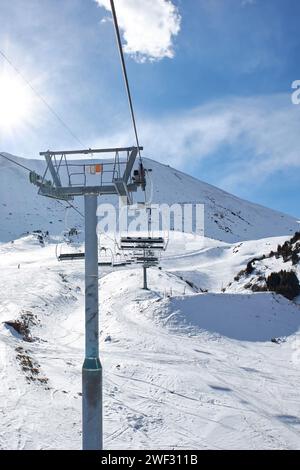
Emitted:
pixel 69 179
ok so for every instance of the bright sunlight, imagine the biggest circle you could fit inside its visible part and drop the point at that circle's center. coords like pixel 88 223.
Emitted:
pixel 15 102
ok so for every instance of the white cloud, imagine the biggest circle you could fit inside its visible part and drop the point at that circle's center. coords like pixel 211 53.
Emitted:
pixel 148 27
pixel 261 136
pixel 248 2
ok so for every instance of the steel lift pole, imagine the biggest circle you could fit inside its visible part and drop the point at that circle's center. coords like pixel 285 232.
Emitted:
pixel 123 186
pixel 145 278
pixel 92 405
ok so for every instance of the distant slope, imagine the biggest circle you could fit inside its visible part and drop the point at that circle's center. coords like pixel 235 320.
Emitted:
pixel 285 257
pixel 227 218
pixel 21 209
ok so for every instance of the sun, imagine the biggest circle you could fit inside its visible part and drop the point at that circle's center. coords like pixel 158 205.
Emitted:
pixel 15 102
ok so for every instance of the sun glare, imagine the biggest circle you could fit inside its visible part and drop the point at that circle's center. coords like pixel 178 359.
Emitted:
pixel 15 103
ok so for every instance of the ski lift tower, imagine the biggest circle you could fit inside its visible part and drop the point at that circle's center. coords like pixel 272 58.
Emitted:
pixel 145 251
pixel 93 179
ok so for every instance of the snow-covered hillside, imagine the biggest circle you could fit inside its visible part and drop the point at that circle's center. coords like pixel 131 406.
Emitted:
pixel 227 218
pixel 187 364
pixel 282 261
pixel 181 370
pixel 21 209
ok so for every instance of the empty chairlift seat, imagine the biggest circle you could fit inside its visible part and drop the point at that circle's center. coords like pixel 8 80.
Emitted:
pixel 142 243
pixel 70 256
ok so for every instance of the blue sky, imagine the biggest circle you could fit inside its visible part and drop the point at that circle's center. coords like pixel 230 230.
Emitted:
pixel 215 101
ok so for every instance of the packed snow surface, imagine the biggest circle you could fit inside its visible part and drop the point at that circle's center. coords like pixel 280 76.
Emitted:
pixel 186 365
pixel 182 369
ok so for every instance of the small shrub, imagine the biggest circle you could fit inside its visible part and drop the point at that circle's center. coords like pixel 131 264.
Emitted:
pixel 296 238
pixel 259 288
pixel 249 268
pixel 285 283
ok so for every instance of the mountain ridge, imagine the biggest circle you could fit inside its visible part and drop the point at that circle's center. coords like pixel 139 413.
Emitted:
pixel 227 217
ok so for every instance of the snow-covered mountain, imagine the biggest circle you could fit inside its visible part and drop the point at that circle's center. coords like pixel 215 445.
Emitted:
pixel 227 218
pixel 189 364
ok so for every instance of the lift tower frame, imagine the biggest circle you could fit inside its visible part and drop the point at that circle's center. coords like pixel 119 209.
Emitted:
pixel 144 251
pixel 112 177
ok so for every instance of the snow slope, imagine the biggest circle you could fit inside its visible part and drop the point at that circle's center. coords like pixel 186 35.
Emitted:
pixel 227 218
pixel 214 265
pixel 185 365
pixel 266 263
pixel 181 369
pixel 21 209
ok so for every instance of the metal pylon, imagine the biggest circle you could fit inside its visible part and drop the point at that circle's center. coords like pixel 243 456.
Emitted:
pixel 92 405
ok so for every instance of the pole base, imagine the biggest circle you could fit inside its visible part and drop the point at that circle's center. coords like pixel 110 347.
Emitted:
pixel 92 435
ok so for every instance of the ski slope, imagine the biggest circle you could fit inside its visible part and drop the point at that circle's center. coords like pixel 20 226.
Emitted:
pixel 186 365
pixel 182 370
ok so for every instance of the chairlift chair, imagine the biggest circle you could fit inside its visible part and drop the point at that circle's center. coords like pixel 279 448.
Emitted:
pixel 106 257
pixel 69 252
